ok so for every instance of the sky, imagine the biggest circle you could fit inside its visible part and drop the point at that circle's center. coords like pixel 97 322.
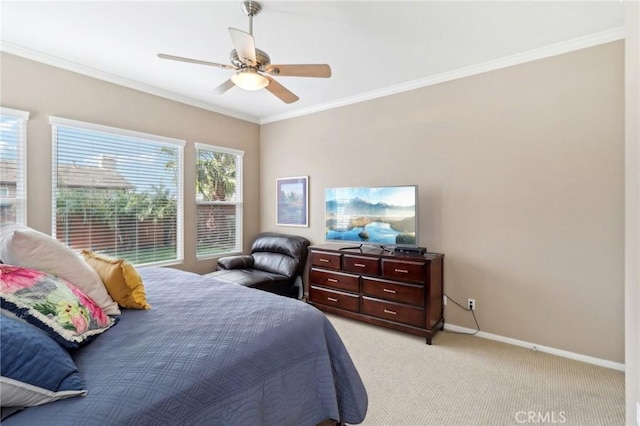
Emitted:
pixel 141 162
pixel 138 161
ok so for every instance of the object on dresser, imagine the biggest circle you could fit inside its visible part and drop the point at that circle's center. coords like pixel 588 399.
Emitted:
pixel 385 216
pixel 402 292
pixel 275 265
pixel 410 250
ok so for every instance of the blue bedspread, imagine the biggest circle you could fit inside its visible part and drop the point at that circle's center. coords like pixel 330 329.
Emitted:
pixel 211 353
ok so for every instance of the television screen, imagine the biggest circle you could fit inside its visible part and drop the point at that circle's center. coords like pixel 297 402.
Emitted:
pixel 372 215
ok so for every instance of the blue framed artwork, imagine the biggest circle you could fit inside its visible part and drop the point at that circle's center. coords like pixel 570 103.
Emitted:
pixel 293 201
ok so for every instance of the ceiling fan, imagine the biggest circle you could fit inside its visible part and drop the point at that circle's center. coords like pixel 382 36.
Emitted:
pixel 253 68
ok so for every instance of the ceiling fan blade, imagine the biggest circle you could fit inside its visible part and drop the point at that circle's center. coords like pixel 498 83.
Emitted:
pixel 194 61
pixel 219 90
pixel 244 44
pixel 306 70
pixel 280 91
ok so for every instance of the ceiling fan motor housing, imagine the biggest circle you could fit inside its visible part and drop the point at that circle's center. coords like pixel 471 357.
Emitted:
pixel 262 59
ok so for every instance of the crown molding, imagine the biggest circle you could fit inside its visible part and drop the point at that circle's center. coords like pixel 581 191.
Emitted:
pixel 520 58
pixel 115 79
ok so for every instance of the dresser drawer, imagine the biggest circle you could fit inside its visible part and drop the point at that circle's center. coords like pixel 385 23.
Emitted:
pixel 334 279
pixel 411 294
pixel 325 259
pixel 361 264
pixel 337 299
pixel 409 315
pixel 404 270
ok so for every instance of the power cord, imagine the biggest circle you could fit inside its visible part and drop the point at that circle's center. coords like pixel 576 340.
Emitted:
pixel 468 310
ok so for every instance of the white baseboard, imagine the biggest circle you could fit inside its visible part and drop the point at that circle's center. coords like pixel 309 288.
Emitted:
pixel 533 346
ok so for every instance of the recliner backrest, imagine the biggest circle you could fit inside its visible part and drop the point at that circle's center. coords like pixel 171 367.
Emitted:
pixel 280 253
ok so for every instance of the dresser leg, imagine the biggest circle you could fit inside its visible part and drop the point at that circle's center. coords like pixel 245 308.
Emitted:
pixel 428 340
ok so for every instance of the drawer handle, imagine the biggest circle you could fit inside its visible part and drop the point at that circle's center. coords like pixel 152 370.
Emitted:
pixel 387 311
pixel 388 290
pixel 324 260
pixel 359 265
pixel 332 299
pixel 332 280
pixel 404 271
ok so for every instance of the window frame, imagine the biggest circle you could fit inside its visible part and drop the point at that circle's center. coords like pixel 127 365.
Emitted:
pixel 238 202
pixel 115 131
pixel 21 163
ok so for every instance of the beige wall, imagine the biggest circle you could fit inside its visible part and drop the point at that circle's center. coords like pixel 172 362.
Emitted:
pixel 632 212
pixel 521 182
pixel 44 90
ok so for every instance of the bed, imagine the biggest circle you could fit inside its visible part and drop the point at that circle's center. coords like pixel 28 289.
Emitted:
pixel 210 353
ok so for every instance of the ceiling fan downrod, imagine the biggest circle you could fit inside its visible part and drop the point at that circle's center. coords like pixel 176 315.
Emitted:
pixel 251 9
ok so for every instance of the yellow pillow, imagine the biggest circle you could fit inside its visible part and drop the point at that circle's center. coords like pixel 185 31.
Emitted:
pixel 122 280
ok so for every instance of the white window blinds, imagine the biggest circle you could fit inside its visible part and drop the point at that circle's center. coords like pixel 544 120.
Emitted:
pixel 117 192
pixel 13 145
pixel 218 200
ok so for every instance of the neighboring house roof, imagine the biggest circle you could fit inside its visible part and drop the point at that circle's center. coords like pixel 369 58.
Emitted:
pixel 91 177
pixel 72 176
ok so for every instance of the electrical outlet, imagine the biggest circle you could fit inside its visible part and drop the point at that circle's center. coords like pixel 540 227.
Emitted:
pixel 471 304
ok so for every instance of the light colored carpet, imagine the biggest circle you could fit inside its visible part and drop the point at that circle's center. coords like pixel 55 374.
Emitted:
pixel 468 380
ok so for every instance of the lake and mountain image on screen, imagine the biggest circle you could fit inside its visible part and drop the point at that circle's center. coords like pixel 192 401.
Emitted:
pixel 373 215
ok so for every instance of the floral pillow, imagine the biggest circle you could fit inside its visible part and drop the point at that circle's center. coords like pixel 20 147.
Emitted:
pixel 52 304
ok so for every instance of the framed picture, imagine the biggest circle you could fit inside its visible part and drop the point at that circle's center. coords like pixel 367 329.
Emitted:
pixel 293 201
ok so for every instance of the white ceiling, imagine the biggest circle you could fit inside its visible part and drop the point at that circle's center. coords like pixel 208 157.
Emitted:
pixel 374 48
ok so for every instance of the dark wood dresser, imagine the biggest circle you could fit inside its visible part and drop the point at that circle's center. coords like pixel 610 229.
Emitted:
pixel 403 292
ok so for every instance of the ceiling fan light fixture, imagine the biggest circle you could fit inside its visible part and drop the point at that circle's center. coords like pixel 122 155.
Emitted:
pixel 249 80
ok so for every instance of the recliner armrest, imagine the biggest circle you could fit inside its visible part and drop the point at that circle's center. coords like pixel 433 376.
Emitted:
pixel 243 261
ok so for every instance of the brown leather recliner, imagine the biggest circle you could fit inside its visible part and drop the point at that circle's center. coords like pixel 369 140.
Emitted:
pixel 276 265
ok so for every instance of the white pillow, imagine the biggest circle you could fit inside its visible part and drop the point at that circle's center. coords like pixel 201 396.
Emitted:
pixel 23 246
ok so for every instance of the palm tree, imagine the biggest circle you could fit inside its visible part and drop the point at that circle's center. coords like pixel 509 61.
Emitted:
pixel 216 175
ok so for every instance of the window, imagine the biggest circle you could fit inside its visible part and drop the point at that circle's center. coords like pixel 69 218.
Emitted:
pixel 218 200
pixel 117 192
pixel 13 142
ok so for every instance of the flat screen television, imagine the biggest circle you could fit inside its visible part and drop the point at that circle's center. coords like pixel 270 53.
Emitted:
pixel 383 215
